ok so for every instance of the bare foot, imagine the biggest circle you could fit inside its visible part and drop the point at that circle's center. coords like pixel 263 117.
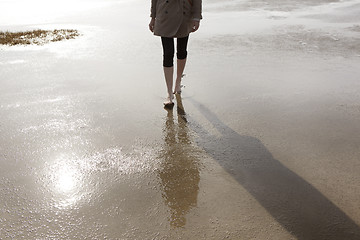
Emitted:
pixel 169 101
pixel 178 85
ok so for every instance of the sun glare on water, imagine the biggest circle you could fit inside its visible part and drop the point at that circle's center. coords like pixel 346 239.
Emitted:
pixel 64 179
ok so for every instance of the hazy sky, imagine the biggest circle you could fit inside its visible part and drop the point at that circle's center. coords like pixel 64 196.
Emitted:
pixel 18 12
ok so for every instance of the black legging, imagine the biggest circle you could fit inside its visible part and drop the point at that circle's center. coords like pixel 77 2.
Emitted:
pixel 168 48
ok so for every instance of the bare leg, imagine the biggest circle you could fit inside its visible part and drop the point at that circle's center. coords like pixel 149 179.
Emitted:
pixel 169 73
pixel 180 70
pixel 181 61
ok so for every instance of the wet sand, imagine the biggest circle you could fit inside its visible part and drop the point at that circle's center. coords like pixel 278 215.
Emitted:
pixel 262 144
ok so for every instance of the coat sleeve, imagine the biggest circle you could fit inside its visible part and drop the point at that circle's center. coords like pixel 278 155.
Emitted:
pixel 153 8
pixel 197 9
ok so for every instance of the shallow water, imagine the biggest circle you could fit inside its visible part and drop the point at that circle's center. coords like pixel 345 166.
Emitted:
pixel 262 144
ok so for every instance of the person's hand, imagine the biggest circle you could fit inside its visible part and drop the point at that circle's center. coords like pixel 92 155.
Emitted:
pixel 195 25
pixel 152 24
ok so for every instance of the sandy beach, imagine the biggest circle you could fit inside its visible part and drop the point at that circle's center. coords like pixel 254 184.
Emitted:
pixel 263 142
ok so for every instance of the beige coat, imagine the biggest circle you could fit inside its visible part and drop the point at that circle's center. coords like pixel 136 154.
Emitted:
pixel 173 18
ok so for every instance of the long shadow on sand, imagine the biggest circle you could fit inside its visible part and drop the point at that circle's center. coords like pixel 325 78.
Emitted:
pixel 293 202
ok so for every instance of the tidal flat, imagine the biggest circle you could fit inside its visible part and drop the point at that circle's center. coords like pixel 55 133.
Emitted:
pixel 262 143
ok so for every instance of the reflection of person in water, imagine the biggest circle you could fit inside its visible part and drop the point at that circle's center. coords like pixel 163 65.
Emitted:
pixel 180 173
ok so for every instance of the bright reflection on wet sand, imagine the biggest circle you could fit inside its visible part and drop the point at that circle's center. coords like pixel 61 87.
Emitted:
pixel 66 182
pixel 179 174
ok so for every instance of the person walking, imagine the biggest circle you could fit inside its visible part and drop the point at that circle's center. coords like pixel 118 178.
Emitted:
pixel 174 19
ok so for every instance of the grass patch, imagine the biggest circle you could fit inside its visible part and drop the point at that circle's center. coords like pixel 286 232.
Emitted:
pixel 37 37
